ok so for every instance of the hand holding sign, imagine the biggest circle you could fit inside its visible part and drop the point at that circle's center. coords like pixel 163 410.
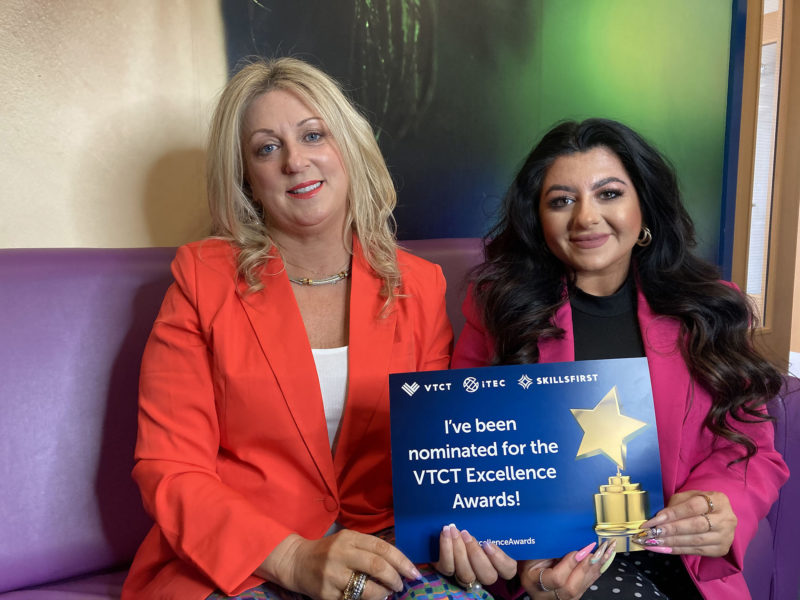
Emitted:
pixel 461 556
pixel 570 577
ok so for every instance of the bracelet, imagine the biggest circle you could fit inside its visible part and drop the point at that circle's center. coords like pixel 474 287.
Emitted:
pixel 541 583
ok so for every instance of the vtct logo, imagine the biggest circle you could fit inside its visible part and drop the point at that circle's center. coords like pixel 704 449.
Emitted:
pixel 410 389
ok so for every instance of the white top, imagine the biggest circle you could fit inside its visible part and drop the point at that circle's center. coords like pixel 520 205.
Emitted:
pixel 332 373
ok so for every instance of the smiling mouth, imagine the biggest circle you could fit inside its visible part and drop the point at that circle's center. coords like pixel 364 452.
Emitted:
pixel 305 189
pixel 590 242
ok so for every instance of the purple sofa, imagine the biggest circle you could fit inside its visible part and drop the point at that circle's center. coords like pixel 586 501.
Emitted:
pixel 73 323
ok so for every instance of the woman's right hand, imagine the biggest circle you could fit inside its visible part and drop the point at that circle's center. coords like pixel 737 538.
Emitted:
pixel 322 568
pixel 568 578
pixel 462 557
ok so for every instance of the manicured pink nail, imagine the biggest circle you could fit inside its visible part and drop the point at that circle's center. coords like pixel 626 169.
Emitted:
pixel 660 549
pixel 415 574
pixel 488 547
pixel 599 553
pixel 466 536
pixel 446 530
pixel 453 531
pixel 650 532
pixel 584 552
pixel 652 542
pixel 609 556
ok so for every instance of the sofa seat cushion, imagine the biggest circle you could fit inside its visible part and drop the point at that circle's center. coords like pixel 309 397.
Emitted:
pixel 102 586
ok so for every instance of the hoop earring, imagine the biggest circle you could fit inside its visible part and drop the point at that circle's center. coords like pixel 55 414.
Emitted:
pixel 645 237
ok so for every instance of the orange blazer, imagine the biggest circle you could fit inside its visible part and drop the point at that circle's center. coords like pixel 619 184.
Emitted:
pixel 232 452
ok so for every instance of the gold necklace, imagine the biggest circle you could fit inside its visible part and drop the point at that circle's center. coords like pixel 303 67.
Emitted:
pixel 336 278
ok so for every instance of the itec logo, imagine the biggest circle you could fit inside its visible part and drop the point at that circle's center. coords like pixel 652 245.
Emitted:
pixel 471 384
pixel 410 389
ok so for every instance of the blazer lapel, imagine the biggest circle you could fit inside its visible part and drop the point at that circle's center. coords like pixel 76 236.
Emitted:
pixel 370 351
pixel 278 325
pixel 671 384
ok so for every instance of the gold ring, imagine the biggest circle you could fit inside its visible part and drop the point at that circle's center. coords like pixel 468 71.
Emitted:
pixel 705 516
pixel 541 583
pixel 709 502
pixel 355 586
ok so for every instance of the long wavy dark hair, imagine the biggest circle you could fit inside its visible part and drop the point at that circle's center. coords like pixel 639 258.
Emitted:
pixel 521 284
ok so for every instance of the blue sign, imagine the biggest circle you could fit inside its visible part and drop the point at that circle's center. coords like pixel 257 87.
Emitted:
pixel 540 459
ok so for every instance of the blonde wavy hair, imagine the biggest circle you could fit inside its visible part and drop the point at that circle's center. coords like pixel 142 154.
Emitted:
pixel 371 197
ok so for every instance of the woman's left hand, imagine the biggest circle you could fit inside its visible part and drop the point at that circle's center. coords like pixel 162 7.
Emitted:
pixel 462 557
pixel 693 522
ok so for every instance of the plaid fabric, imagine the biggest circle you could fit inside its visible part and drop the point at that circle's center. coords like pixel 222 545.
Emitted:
pixel 432 586
pixel 259 593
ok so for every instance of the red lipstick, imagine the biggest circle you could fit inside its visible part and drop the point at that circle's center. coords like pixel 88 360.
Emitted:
pixel 307 189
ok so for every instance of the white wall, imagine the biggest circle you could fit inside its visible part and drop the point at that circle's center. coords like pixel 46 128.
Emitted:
pixel 105 105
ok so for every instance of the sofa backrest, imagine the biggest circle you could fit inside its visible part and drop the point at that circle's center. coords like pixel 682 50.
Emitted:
pixel 456 257
pixel 783 518
pixel 73 324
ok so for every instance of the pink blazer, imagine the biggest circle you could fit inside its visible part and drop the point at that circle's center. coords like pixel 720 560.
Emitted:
pixel 687 459
pixel 232 453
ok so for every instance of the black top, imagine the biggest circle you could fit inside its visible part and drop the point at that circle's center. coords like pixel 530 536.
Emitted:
pixel 606 326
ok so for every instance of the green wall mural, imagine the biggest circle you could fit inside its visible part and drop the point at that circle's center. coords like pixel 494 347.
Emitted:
pixel 459 91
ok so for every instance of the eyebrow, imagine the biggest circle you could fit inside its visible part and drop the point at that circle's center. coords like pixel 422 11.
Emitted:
pixel 596 185
pixel 272 131
pixel 607 180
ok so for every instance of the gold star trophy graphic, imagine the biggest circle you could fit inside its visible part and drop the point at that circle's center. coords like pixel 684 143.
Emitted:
pixel 621 506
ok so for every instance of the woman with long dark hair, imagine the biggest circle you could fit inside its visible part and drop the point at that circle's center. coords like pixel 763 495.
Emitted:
pixel 592 259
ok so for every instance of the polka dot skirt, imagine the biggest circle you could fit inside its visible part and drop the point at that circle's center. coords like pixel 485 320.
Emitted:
pixel 646 576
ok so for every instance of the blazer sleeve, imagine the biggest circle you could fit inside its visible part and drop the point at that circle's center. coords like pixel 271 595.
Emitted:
pixel 205 522
pixel 751 486
pixel 475 347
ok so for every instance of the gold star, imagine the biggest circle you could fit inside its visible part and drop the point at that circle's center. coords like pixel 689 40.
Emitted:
pixel 605 430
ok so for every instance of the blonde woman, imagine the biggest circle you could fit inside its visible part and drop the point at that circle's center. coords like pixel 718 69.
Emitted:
pixel 263 446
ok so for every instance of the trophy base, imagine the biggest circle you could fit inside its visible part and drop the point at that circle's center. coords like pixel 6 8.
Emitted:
pixel 621 534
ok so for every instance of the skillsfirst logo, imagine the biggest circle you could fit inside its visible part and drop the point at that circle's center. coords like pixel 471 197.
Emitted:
pixel 525 382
